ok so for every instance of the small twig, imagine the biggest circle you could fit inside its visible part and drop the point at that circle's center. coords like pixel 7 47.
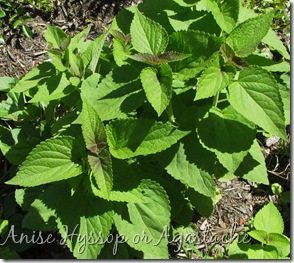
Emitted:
pixel 39 53
pixel 64 11
pixel 11 56
pixel 279 174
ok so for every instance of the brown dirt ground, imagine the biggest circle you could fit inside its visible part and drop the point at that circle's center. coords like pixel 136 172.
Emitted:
pixel 240 200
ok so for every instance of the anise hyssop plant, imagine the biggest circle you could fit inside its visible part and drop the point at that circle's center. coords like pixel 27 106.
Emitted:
pixel 124 138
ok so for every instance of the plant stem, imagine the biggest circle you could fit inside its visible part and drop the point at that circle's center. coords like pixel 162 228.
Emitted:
pixel 170 113
pixel 215 99
pixel 222 100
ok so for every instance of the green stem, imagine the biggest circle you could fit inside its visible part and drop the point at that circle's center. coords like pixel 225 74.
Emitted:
pixel 170 113
pixel 222 100
pixel 215 99
pixel 259 131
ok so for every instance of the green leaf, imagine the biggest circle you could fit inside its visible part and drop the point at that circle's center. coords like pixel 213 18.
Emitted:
pixel 120 36
pixel 16 23
pixel 64 122
pixel 181 210
pixel 92 54
pixel 147 58
pixel 55 36
pixel 53 160
pixel 59 63
pixel 286 197
pixel 40 217
pixel 19 151
pixel 17 143
pixel 271 239
pixel 225 13
pixel 35 77
pixel 76 64
pixel 268 64
pixel 91 219
pixel 274 42
pixel 79 38
pixel 27 31
pixel 119 93
pixel 140 137
pixel 56 87
pixel 126 186
pixel 24 197
pixel 261 219
pixel 8 253
pixel 238 250
pixel 169 56
pixel 95 139
pixel 172 56
pixel 257 251
pixel 145 221
pixel 247 35
pixel 147 35
pixel 221 173
pixel 211 82
pixel 2 41
pixel 276 188
pixel 101 166
pixel 259 235
pixel 121 52
pixel 2 13
pixel 92 126
pixel 256 96
pixel 199 44
pixel 85 230
pixel 132 196
pixel 225 131
pixel 253 167
pixel 228 134
pixel 3 226
pixel 271 38
pixel 278 240
pixel 6 83
pixel 185 18
pixel 89 89
pixel 184 162
pixel 286 95
pixel 11 108
pixel 157 86
pixel 203 204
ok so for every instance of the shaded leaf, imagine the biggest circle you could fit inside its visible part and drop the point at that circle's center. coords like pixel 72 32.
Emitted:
pixel 52 160
pixel 253 167
pixel 157 86
pixel 256 96
pixel 145 216
pixel 140 137
pixel 181 162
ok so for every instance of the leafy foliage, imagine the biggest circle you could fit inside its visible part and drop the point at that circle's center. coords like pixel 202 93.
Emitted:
pixel 120 139
pixel 274 245
pixel 13 13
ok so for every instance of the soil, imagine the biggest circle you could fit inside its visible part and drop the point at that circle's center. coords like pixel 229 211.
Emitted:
pixel 20 53
pixel 240 199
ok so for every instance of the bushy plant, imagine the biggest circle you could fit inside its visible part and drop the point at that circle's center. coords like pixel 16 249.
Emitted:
pixel 116 143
